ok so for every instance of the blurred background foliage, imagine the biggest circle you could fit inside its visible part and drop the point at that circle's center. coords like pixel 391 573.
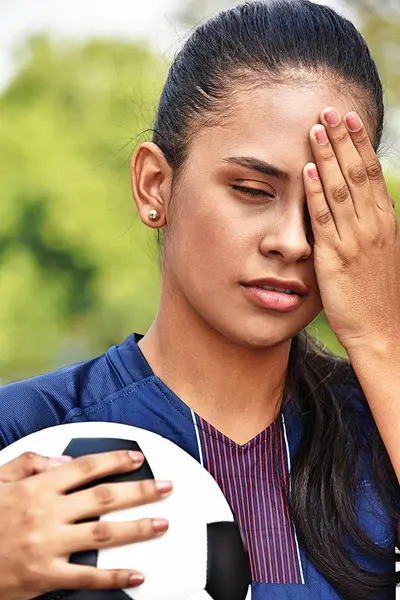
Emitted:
pixel 77 271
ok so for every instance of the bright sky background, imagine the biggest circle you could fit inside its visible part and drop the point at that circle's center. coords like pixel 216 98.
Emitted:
pixel 154 20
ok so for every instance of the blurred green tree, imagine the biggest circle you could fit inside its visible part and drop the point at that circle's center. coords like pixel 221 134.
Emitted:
pixel 77 272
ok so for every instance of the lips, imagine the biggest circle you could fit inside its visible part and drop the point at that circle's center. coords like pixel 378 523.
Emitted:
pixel 285 286
pixel 272 289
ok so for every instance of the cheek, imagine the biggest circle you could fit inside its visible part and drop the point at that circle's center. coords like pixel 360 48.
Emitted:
pixel 209 236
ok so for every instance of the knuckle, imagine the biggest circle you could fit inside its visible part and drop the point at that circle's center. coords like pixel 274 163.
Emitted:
pixel 24 494
pixel 32 576
pixel 104 495
pixel 143 529
pixel 358 174
pixel 342 258
pixel 323 216
pixel 31 543
pixel 375 237
pixel 318 190
pixel 374 170
pixel 340 192
pixel 341 137
pixel 116 579
pixel 328 156
pixel 87 464
pixel 122 460
pixel 363 141
pixel 101 532
pixel 88 579
pixel 29 457
pixel 32 461
pixel 145 489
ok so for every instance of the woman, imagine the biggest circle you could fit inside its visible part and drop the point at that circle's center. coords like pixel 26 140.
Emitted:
pixel 262 176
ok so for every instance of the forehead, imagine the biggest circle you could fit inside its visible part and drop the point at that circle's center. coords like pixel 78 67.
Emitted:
pixel 274 121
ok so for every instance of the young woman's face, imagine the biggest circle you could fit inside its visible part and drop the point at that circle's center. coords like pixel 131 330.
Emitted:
pixel 239 218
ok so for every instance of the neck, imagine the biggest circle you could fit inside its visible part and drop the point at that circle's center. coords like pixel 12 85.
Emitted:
pixel 236 388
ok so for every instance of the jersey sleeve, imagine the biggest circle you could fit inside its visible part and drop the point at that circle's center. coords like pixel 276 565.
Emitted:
pixel 46 400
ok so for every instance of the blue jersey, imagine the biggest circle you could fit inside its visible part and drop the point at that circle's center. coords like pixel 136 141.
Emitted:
pixel 121 387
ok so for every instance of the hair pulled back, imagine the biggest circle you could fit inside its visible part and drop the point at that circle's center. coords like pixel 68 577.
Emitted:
pixel 266 43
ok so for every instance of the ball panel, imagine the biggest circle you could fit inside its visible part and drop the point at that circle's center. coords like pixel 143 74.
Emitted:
pixel 202 595
pixel 175 565
pixel 81 446
pixel 88 445
pixel 174 569
pixel 228 567
pixel 85 595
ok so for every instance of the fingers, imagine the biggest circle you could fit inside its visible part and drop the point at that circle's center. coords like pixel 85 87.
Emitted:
pixel 368 155
pixel 107 498
pixel 350 176
pixel 352 166
pixel 83 470
pixel 322 222
pixel 106 534
pixel 342 172
pixel 28 464
pixel 91 578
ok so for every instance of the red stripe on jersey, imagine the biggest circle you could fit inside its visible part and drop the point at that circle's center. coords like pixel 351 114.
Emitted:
pixel 238 484
pixel 260 521
pixel 284 504
pixel 229 474
pixel 221 470
pixel 270 487
pixel 254 528
pixel 263 479
pixel 214 462
pixel 203 435
pixel 246 512
pixel 254 479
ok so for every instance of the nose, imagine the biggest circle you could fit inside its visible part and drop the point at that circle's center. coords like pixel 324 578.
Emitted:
pixel 291 236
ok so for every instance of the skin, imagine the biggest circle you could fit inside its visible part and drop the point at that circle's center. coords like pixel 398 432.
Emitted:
pixel 38 521
pixel 217 238
pixel 226 357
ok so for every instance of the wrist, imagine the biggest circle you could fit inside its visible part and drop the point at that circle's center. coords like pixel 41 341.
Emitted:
pixel 376 349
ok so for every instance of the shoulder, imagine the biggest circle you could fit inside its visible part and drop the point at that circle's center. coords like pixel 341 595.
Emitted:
pixel 47 399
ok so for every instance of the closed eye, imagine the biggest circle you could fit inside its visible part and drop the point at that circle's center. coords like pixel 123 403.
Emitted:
pixel 252 191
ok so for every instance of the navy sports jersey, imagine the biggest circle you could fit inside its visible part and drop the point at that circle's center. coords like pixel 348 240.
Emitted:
pixel 120 386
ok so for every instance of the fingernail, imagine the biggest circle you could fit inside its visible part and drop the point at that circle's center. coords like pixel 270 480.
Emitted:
pixel 353 122
pixel 60 459
pixel 160 525
pixel 136 457
pixel 312 172
pixel 136 579
pixel 320 135
pixel 332 117
pixel 163 486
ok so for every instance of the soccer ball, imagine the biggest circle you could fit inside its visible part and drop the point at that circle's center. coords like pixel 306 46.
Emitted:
pixel 201 557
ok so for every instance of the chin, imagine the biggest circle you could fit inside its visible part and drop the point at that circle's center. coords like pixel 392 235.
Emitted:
pixel 260 338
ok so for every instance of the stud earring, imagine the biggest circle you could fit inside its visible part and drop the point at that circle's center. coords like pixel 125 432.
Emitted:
pixel 153 215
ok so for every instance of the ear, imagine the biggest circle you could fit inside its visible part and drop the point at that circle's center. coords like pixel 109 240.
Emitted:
pixel 151 178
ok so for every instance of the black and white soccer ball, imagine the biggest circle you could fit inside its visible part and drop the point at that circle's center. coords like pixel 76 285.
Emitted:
pixel 201 557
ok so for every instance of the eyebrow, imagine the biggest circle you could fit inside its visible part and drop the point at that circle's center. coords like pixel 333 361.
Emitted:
pixel 255 164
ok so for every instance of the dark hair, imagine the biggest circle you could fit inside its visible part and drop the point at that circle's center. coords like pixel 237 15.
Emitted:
pixel 260 43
